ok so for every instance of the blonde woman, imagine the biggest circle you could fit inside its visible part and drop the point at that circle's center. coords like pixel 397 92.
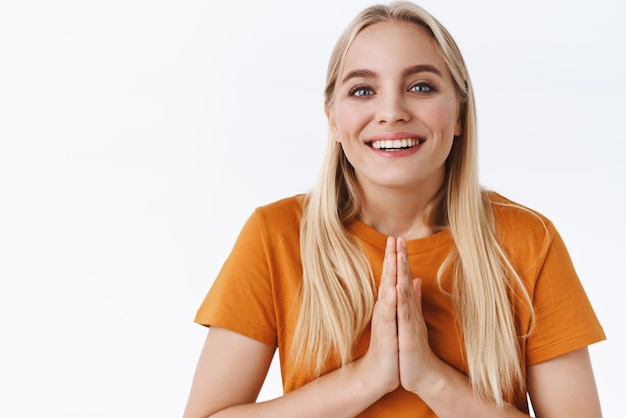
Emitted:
pixel 397 287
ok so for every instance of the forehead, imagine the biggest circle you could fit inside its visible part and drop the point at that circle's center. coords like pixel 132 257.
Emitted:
pixel 391 44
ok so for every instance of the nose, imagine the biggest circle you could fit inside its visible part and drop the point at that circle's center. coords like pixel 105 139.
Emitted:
pixel 392 109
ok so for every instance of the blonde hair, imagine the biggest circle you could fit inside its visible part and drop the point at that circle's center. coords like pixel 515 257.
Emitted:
pixel 338 292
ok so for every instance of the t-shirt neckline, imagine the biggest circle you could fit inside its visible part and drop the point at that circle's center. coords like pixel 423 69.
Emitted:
pixel 379 240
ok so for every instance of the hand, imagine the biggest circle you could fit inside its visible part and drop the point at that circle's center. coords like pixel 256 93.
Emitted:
pixel 381 360
pixel 417 361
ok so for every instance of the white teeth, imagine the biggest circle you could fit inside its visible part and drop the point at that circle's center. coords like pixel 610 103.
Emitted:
pixel 396 143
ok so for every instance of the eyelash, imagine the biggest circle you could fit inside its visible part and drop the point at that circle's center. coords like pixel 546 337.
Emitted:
pixel 353 91
pixel 430 88
pixel 422 85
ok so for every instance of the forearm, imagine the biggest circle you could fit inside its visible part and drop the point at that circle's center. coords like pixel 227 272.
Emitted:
pixel 450 395
pixel 341 393
pixel 446 391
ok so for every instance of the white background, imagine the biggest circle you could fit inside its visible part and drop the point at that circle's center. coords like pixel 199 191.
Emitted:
pixel 137 136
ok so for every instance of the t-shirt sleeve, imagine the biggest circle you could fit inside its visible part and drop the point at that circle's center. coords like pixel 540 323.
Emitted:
pixel 565 320
pixel 241 299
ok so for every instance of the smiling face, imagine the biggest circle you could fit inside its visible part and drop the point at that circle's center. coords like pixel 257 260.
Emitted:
pixel 394 109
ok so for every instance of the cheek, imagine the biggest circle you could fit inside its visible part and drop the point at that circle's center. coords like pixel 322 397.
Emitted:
pixel 348 120
pixel 441 115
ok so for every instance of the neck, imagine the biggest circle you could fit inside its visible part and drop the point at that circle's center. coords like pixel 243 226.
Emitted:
pixel 397 212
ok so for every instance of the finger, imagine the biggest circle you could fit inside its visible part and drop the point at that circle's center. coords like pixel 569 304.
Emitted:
pixel 384 317
pixel 389 305
pixel 388 277
pixel 402 266
pixel 409 303
pixel 384 325
pixel 403 308
pixel 417 293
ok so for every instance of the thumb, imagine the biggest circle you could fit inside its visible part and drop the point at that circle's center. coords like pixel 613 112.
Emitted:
pixel 417 292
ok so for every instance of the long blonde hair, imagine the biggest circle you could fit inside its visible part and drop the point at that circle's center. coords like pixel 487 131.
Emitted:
pixel 338 292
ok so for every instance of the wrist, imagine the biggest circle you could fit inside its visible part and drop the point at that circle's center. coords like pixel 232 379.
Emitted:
pixel 370 382
pixel 431 381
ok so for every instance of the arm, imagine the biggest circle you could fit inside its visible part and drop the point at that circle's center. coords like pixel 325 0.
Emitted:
pixel 561 387
pixel 232 368
pixel 231 371
pixel 447 391
pixel 449 394
pixel 564 387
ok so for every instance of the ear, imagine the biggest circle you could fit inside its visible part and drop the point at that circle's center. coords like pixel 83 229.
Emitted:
pixel 332 125
pixel 458 128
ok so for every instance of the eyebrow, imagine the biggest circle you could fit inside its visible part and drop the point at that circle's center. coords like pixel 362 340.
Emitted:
pixel 421 68
pixel 360 74
pixel 414 69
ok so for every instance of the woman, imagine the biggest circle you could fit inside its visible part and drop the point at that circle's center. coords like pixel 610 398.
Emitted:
pixel 495 311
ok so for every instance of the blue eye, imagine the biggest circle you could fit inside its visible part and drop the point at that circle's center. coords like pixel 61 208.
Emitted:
pixel 422 88
pixel 360 91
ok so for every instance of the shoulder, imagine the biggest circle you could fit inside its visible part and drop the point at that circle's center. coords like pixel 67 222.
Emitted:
pixel 278 221
pixel 523 232
pixel 510 216
pixel 287 211
pixel 271 234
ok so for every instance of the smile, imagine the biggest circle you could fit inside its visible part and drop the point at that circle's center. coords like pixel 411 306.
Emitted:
pixel 396 144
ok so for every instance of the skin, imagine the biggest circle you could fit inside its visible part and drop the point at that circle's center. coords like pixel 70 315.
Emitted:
pixel 381 94
pixel 232 368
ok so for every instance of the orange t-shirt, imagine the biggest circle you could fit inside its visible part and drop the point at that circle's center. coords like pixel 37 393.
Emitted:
pixel 256 292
